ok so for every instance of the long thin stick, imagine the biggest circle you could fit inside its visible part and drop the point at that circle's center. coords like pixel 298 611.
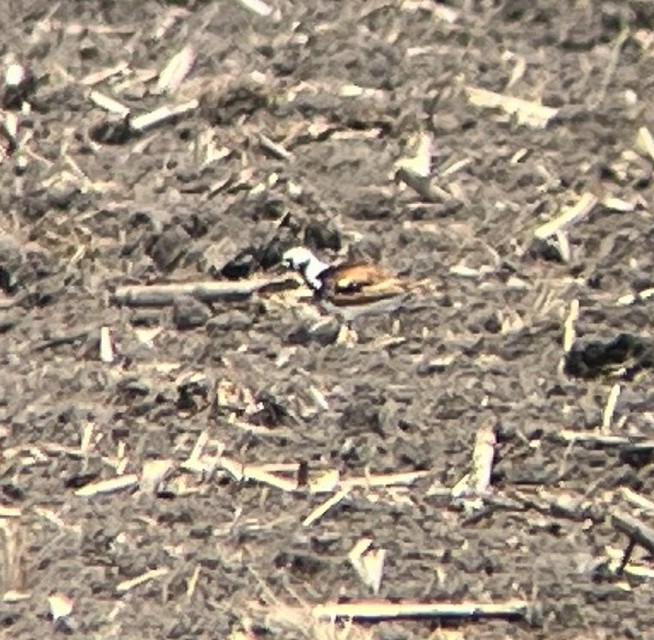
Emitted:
pixel 596 438
pixel 380 610
pixel 570 216
pixel 636 530
pixel 161 295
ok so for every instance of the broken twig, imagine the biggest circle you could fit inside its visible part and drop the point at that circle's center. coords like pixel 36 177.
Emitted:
pixel 257 6
pixel 526 112
pixel 127 585
pixel 161 295
pixel 162 114
pixel 645 142
pixel 602 439
pixel 638 533
pixel 637 500
pixel 118 483
pixel 609 408
pixel 384 610
pixel 571 215
pixel 176 70
pixel 569 332
pixel 368 561
pixel 324 507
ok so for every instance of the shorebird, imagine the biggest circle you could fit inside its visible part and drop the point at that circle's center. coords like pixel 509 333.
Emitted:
pixel 348 284
pixel 351 290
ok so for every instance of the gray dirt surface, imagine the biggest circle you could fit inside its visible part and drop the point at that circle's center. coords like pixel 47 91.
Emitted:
pixel 88 207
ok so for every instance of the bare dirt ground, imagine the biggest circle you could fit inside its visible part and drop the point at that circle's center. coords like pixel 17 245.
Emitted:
pixel 300 119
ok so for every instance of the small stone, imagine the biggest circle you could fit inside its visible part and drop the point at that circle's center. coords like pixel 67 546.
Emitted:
pixel 88 49
pixel 110 129
pixel 145 318
pixel 324 334
pixel 8 320
pixel 34 206
pixel 192 393
pixel 241 266
pixel 363 414
pixel 211 260
pixel 445 123
pixel 62 193
pixel 189 313
pixel 269 208
pixel 546 250
pixel 240 99
pixel 133 387
pixel 229 321
pixel 10 261
pixel 169 247
pixel 20 166
pixel 272 411
pixel 322 235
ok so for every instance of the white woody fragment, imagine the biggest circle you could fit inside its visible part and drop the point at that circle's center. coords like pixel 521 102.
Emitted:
pixel 162 114
pixel 176 70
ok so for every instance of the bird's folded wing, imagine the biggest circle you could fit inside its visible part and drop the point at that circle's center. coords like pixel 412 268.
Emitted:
pixel 358 276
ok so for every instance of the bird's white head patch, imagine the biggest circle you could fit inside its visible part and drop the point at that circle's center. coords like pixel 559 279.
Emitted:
pixel 297 258
pixel 302 260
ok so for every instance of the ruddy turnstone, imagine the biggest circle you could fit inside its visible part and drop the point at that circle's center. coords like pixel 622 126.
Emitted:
pixel 347 283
